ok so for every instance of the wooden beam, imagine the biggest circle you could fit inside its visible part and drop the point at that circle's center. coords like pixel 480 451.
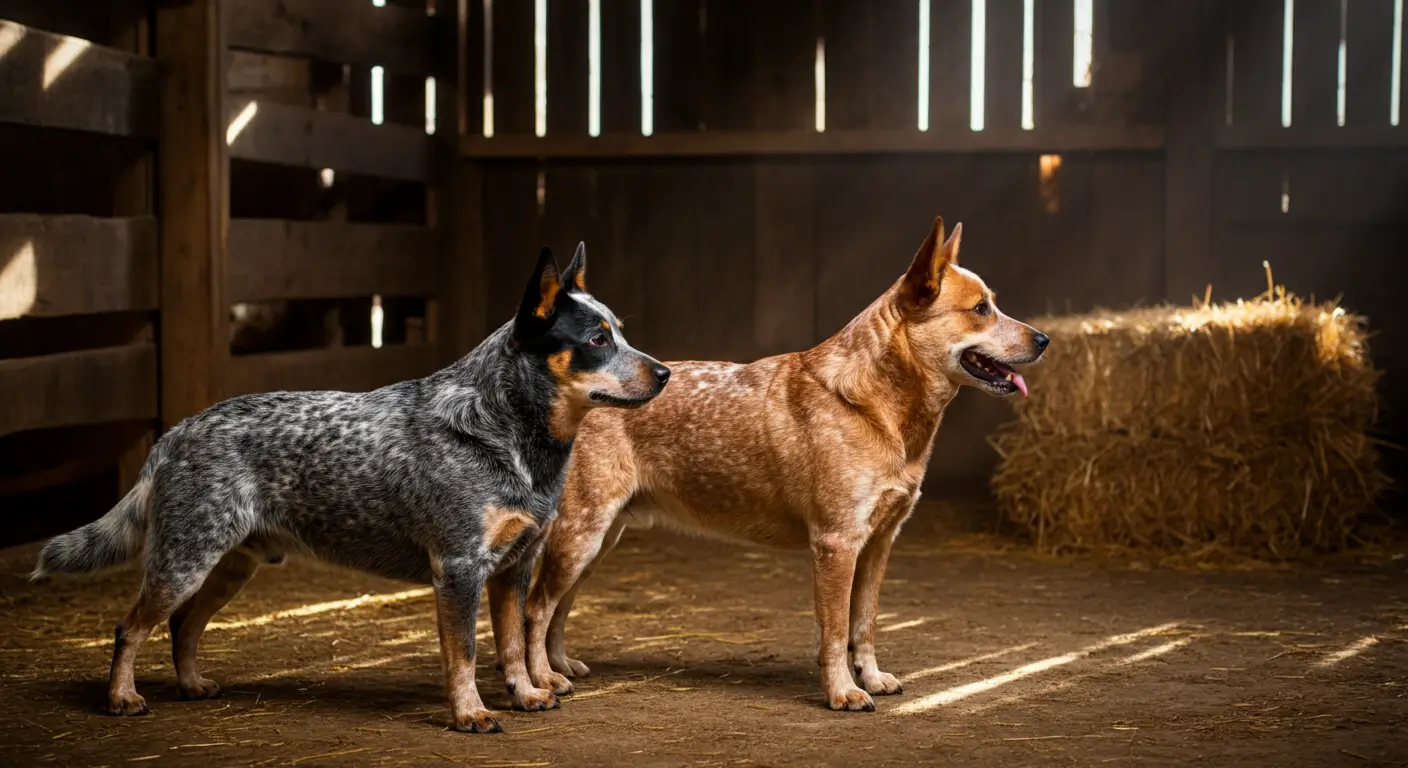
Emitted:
pixel 400 39
pixel 1195 105
pixel 56 81
pixel 305 138
pixel 273 259
pixel 91 386
pixel 344 369
pixel 747 143
pixel 194 210
pixel 1361 136
pixel 75 265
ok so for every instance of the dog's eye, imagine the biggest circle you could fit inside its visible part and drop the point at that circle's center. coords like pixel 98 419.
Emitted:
pixel 598 340
pixel 983 307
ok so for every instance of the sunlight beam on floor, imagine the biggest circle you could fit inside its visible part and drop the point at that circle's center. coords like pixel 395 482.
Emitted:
pixel 1353 649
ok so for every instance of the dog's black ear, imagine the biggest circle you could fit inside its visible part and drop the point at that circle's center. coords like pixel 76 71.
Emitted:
pixel 575 276
pixel 540 296
pixel 920 285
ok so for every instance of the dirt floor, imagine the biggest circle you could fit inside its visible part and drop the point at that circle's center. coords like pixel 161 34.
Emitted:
pixel 703 654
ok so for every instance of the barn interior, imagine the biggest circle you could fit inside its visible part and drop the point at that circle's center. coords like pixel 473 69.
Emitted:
pixel 1184 545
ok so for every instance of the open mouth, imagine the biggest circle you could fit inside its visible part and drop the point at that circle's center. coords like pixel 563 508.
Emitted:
pixel 996 376
pixel 619 402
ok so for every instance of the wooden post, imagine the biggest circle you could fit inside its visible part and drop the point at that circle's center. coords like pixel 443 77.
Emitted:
pixel 1196 77
pixel 193 168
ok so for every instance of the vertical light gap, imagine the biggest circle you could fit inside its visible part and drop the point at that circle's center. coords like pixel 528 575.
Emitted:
pixel 923 65
pixel 977 66
pixel 540 67
pixel 647 67
pixel 593 68
pixel 1028 64
pixel 1342 76
pixel 1287 46
pixel 819 84
pixel 1231 66
pixel 379 3
pixel 430 106
pixel 1084 43
pixel 488 69
pixel 1396 76
pixel 378 95
pixel 1285 193
pixel 542 193
pixel 326 177
pixel 378 319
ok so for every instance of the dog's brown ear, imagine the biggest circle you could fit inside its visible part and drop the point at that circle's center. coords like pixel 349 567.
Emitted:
pixel 540 295
pixel 920 285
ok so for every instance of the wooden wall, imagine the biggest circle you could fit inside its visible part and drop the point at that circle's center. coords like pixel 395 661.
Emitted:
pixel 737 230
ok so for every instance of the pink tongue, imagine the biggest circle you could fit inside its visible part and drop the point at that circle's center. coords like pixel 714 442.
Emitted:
pixel 1020 382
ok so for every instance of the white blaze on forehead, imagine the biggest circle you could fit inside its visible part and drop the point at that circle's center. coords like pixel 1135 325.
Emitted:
pixel 586 300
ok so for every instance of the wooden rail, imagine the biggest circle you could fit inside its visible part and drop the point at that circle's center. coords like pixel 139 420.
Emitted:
pixel 89 386
pixel 73 265
pixel 726 143
pixel 345 369
pixel 56 81
pixel 277 259
pixel 274 133
pixel 399 39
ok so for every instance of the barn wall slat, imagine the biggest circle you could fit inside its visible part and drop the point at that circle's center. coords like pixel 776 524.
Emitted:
pixel 950 65
pixel 1003 74
pixel 678 66
pixel 1368 62
pixel 567 67
pixel 101 90
pixel 1315 62
pixel 400 39
pixel 58 390
pixel 275 259
pixel 73 265
pixel 310 139
pixel 343 369
pixel 1257 29
pixel 620 66
pixel 514 68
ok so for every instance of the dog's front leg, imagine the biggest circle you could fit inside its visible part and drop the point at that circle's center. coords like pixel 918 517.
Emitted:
pixel 457 587
pixel 833 570
pixel 508 591
pixel 865 605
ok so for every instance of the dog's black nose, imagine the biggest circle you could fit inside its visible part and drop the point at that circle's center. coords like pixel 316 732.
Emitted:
pixel 662 374
pixel 1041 340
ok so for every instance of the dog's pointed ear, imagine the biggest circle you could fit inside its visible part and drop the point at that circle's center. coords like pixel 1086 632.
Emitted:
pixel 540 296
pixel 575 276
pixel 920 285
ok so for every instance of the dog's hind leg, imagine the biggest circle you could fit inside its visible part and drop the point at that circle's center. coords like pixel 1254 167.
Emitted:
pixel 234 571
pixel 865 602
pixel 508 591
pixel 834 558
pixel 557 630
pixel 457 586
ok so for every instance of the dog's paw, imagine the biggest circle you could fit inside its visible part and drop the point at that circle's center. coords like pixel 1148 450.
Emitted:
pixel 478 721
pixel 127 704
pixel 852 699
pixel 534 700
pixel 882 684
pixel 555 682
pixel 202 688
pixel 570 667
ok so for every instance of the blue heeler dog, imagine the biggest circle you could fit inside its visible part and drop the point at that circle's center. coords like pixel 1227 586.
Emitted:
pixel 448 480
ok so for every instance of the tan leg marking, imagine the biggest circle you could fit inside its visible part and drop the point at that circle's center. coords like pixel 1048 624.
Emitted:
pixel 188 622
pixel 506 614
pixel 503 526
pixel 457 653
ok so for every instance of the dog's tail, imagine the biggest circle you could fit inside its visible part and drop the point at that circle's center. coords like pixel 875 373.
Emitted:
pixel 113 538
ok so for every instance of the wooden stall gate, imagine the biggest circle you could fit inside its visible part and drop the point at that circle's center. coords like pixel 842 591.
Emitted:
pixel 788 174
pixel 197 204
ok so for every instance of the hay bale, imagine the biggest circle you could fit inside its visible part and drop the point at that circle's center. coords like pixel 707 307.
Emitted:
pixel 1235 428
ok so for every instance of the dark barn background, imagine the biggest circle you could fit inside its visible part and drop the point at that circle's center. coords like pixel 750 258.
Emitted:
pixel 184 246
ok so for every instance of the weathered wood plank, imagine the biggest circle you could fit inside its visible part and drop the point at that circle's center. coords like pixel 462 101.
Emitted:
pixel 513 67
pixel 950 65
pixel 58 390
pixel 194 209
pixel 567 67
pixel 400 39
pixel 274 259
pixel 784 294
pixel 1198 56
pixel 74 265
pixel 1002 100
pixel 1257 32
pixel 274 133
pixel 1350 136
pixel 1315 62
pixel 343 369
pixel 720 143
pixel 1369 62
pixel 620 66
pixel 56 81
